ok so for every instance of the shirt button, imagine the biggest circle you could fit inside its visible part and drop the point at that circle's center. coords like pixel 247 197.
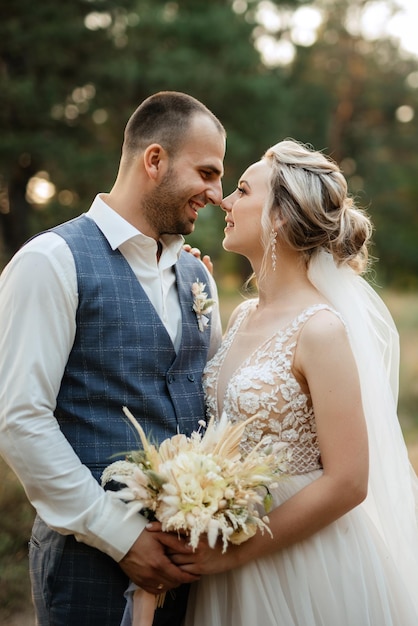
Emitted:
pixel 191 377
pixel 170 378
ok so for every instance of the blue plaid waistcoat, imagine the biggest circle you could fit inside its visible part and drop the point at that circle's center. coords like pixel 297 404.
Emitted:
pixel 123 356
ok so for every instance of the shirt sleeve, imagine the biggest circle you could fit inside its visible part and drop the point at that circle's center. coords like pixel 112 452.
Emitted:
pixel 38 302
pixel 216 324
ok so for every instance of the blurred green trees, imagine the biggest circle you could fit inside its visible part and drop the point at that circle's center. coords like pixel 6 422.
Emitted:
pixel 72 73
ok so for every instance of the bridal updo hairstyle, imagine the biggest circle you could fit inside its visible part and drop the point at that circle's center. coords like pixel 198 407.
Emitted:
pixel 309 200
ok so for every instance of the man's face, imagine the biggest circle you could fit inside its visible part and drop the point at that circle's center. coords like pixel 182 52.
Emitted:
pixel 192 181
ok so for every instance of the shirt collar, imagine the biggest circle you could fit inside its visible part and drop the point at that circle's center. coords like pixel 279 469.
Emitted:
pixel 118 231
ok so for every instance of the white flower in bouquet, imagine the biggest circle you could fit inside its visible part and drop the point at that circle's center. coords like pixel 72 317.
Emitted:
pixel 202 483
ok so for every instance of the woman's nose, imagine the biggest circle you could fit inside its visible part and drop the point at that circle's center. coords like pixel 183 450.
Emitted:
pixel 226 204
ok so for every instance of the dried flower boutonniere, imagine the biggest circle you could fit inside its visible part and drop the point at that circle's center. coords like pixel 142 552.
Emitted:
pixel 201 304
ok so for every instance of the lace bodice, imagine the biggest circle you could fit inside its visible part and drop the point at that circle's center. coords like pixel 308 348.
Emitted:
pixel 265 384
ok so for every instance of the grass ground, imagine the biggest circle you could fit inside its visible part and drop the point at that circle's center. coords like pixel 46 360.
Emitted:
pixel 16 514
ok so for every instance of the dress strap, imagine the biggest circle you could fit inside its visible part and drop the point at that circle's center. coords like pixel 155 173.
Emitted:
pixel 305 315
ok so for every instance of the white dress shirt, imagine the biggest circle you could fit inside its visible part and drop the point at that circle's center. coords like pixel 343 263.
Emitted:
pixel 38 303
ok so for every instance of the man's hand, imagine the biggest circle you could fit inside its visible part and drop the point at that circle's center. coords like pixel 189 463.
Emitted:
pixel 148 565
pixel 196 252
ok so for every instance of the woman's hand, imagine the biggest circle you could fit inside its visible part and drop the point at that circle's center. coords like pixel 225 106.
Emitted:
pixel 203 560
pixel 196 252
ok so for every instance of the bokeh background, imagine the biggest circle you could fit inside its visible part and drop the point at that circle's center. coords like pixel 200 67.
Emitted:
pixel 341 75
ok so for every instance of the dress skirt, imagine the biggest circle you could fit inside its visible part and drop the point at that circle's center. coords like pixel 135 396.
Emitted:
pixel 341 576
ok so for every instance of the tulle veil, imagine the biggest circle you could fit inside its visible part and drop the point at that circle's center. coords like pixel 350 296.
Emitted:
pixel 392 501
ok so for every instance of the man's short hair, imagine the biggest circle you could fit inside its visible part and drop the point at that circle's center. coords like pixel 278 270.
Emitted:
pixel 164 118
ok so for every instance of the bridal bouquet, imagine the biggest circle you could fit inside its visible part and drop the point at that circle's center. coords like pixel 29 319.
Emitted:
pixel 195 485
pixel 202 483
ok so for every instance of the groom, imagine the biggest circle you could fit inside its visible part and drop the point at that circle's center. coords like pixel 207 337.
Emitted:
pixel 96 314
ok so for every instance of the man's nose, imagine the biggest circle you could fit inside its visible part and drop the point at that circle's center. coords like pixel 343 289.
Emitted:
pixel 214 195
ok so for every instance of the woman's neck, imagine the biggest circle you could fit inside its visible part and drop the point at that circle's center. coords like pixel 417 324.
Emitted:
pixel 287 282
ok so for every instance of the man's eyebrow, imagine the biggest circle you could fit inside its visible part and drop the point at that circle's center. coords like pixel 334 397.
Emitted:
pixel 213 169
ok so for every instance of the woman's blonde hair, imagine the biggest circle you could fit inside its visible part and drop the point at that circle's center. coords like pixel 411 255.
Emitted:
pixel 310 208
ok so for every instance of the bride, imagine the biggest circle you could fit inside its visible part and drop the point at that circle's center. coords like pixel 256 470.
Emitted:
pixel 315 356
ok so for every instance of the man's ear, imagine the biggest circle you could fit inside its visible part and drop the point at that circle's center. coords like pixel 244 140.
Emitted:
pixel 155 161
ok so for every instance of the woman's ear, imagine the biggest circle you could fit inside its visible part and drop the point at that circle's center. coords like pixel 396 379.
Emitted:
pixel 278 221
pixel 155 161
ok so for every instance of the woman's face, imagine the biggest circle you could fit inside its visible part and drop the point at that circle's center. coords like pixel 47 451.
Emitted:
pixel 243 210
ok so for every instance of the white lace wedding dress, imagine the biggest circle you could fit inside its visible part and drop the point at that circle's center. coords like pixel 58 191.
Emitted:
pixel 343 575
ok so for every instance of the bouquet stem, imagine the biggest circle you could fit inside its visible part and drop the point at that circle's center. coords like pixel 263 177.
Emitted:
pixel 144 605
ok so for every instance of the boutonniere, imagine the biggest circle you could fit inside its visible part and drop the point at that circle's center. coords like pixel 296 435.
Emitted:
pixel 201 304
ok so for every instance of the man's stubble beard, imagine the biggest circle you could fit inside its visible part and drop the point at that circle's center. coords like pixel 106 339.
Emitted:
pixel 163 208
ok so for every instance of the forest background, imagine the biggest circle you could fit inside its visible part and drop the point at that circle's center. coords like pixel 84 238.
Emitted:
pixel 327 72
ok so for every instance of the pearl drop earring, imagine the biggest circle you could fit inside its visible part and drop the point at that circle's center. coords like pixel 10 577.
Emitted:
pixel 273 241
